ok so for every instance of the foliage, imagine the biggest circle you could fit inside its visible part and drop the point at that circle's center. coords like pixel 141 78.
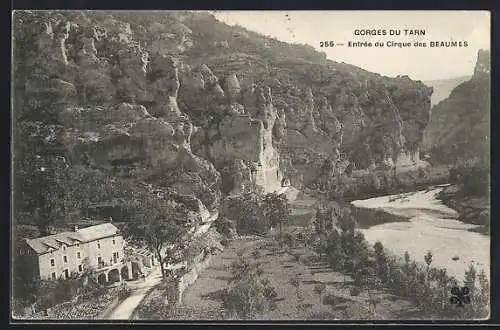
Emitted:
pixel 426 286
pixel 247 213
pixel 225 227
pixel 159 223
pixel 250 295
pixel 460 124
pixel 276 209
pixel 193 249
pixel 124 292
pixel 319 288
pixel 256 254
pixel 472 176
pixel 329 299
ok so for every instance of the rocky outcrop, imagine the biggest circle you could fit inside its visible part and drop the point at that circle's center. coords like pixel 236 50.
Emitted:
pixel 460 125
pixel 95 96
pixel 178 100
pixel 483 64
pixel 240 136
pixel 232 88
pixel 164 86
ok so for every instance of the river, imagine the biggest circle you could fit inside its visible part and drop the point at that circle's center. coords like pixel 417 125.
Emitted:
pixel 427 225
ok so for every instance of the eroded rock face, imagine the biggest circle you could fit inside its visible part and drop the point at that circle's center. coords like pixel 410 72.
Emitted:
pixel 483 63
pixel 129 100
pixel 95 95
pixel 232 88
pixel 460 124
pixel 131 72
pixel 279 128
pixel 94 75
pixel 164 86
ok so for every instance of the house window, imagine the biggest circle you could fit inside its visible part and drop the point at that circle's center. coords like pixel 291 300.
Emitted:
pixel 52 262
pixel 78 255
pixel 98 245
pixel 53 276
pixel 65 259
pixel 99 262
pixel 64 247
pixel 66 273
pixel 114 242
pixel 80 268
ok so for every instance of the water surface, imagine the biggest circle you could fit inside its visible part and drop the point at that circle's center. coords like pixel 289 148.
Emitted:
pixel 430 226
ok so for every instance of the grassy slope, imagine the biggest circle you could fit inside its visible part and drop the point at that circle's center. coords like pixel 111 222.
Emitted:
pixel 201 300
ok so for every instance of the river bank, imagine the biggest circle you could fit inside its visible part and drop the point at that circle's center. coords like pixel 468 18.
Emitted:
pixel 428 225
pixel 471 210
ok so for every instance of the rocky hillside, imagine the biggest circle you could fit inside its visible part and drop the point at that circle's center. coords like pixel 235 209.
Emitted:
pixel 111 107
pixel 460 124
pixel 443 87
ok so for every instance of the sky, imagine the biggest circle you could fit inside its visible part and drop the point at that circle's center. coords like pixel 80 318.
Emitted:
pixel 429 63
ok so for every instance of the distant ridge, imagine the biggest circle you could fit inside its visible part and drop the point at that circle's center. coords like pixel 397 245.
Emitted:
pixel 443 87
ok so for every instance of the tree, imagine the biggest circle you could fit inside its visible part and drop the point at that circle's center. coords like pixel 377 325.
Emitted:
pixel 326 216
pixel 381 262
pixel 319 289
pixel 159 223
pixel 276 209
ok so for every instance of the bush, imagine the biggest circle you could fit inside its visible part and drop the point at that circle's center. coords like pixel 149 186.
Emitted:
pixel 319 288
pixel 247 213
pixel 225 227
pixel 124 292
pixel 329 299
pixel 355 291
pixel 256 254
pixel 287 240
pixel 424 285
pixel 249 297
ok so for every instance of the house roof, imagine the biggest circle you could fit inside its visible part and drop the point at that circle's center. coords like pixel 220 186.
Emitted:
pixel 56 241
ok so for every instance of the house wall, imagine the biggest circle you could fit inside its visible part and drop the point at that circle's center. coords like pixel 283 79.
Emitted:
pixel 29 259
pixel 105 251
pixel 103 248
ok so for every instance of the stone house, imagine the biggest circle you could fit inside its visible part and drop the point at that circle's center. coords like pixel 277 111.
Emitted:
pixel 99 247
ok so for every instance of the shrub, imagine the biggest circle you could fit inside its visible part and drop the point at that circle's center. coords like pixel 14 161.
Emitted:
pixel 287 240
pixel 226 227
pixel 319 288
pixel 247 213
pixel 355 291
pixel 249 297
pixel 256 254
pixel 124 292
pixel 329 299
pixel 428 287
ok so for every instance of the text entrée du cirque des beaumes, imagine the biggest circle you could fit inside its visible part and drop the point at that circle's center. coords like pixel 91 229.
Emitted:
pixel 421 34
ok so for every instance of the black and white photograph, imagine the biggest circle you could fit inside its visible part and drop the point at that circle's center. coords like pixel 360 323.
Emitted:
pixel 250 165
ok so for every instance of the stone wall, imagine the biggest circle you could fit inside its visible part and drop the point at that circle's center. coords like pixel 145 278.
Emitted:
pixel 189 278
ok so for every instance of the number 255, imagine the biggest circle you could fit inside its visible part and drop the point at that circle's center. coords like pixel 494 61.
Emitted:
pixel 326 44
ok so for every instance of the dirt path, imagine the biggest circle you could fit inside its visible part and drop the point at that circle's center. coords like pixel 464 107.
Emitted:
pixel 139 289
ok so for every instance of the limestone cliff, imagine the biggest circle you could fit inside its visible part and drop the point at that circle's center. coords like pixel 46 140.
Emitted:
pixel 460 124
pixel 184 103
pixel 92 98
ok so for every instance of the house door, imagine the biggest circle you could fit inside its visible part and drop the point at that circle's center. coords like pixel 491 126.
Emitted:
pixel 66 273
